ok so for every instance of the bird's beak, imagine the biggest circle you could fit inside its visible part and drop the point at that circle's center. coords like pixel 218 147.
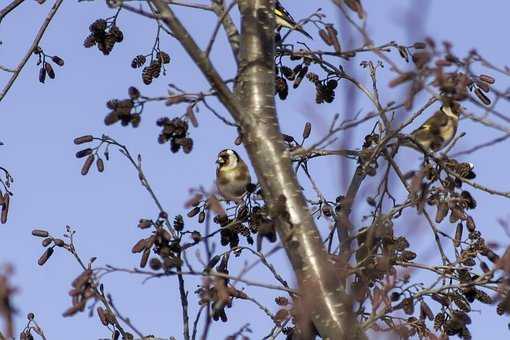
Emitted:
pixel 220 161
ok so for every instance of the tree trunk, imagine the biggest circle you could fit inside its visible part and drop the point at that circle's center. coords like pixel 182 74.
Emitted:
pixel 322 298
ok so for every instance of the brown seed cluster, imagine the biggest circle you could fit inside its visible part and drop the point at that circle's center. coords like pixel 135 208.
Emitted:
pixel 153 70
pixel 445 69
pixel 217 291
pixel 90 155
pixel 126 111
pixel 325 88
pixel 84 289
pixel 104 34
pixel 46 68
pixel 176 132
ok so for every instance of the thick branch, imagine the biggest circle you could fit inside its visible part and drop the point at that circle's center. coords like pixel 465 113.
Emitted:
pixel 272 162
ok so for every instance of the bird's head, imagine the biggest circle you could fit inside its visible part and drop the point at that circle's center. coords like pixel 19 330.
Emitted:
pixel 227 159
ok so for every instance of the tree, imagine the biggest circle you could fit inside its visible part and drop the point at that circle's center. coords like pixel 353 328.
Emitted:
pixel 354 278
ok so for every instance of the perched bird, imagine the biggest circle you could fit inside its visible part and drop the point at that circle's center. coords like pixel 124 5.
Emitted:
pixel 232 175
pixel 437 131
pixel 284 19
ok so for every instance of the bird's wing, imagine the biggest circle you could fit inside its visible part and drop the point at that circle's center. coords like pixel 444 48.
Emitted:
pixel 433 124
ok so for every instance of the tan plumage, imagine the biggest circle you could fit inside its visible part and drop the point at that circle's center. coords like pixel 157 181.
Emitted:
pixel 437 131
pixel 284 19
pixel 232 175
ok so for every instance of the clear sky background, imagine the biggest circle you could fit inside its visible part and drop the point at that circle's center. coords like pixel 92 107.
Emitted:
pixel 38 123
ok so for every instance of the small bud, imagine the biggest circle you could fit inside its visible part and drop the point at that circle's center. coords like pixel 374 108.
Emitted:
pixel 487 79
pixel 144 223
pixel 40 233
pixel 100 164
pixel 196 236
pixel 57 60
pixel 83 153
pixel 45 256
pixel 87 164
pixel 139 246
pixel 83 139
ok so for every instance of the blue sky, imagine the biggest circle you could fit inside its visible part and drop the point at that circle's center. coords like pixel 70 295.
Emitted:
pixel 39 123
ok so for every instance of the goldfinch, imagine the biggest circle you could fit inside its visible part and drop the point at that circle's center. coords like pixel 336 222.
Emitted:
pixel 437 131
pixel 232 175
pixel 284 19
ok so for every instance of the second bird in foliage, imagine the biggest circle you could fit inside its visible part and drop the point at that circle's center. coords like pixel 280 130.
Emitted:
pixel 437 131
pixel 284 19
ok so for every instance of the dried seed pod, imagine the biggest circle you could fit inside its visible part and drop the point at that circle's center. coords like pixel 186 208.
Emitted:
pixel 196 236
pixel 139 246
pixel 403 53
pixel 145 258
pixel 484 267
pixel 470 224
pixel 83 139
pixel 144 223
pixel 483 98
pixel 442 299
pixel 102 316
pixel 98 26
pixel 460 302
pixel 405 77
pixel 355 6
pixel 408 305
pixel 133 93
pixel 326 37
pixel 116 33
pixel 307 130
pixel 83 153
pixel 201 217
pixel 178 223
pixel 111 118
pixel 59 242
pixel 300 76
pixel 146 76
pixel 138 61
pixel 425 311
pixel 483 297
pixel 439 320
pixel 281 88
pixel 42 75
pixel 193 212
pixel 49 70
pixel 40 233
pixel 163 57
pixel 45 256
pixel 155 263
pixel 333 34
pixel 89 41
pixel 458 235
pixel 100 164
pixel 442 211
pixel 191 116
pixel 46 242
pixel 87 164
pixel 57 60
pixel 487 79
